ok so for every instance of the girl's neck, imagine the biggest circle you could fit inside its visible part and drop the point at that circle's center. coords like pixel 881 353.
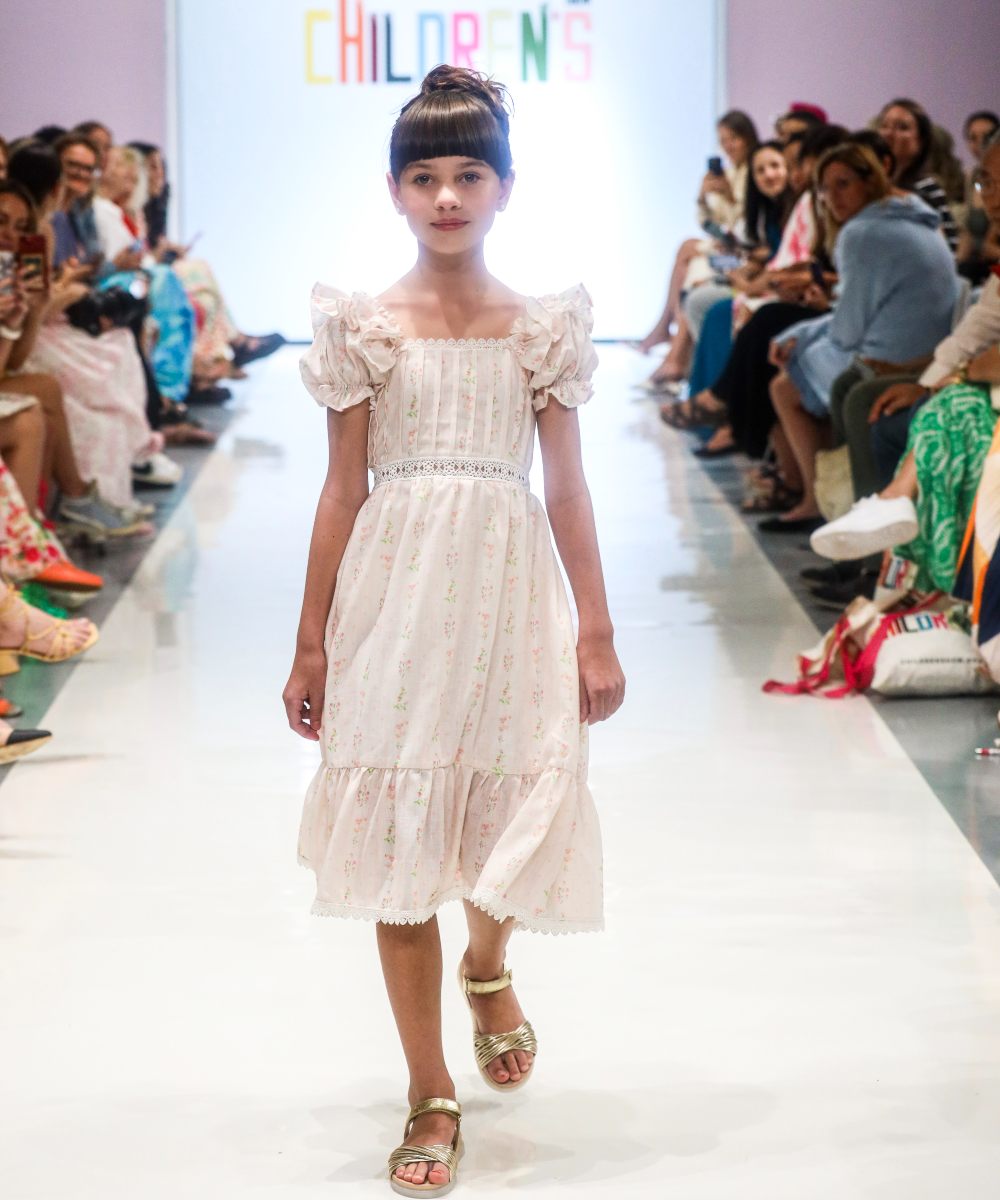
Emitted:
pixel 451 272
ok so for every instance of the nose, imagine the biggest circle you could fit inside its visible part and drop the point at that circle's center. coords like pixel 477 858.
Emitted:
pixel 446 200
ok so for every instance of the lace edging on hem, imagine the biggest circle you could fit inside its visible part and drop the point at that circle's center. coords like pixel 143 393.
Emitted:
pixel 490 903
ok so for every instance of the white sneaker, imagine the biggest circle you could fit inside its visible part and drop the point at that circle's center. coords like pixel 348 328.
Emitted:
pixel 871 525
pixel 157 471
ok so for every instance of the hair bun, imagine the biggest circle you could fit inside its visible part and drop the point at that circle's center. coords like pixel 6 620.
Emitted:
pixel 446 78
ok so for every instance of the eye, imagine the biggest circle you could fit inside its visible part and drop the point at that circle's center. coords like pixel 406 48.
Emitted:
pixel 420 180
pixel 471 177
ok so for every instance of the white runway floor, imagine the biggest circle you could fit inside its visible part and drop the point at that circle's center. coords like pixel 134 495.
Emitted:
pixel 797 996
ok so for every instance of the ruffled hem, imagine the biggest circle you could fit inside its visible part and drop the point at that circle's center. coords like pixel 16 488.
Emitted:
pixel 493 905
pixel 394 843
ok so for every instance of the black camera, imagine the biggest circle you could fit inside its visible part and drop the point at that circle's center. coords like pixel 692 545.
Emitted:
pixel 116 305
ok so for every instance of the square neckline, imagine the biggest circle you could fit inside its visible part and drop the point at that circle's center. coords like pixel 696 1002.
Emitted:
pixel 506 340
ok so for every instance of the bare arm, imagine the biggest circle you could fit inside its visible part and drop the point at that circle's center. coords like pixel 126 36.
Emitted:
pixel 571 515
pixel 345 490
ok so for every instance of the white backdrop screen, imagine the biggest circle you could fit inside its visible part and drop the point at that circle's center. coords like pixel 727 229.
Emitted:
pixel 285 109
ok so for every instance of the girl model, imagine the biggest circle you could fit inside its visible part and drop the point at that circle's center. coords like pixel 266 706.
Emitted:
pixel 436 660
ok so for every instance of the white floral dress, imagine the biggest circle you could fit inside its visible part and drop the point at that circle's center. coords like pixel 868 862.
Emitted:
pixel 454 760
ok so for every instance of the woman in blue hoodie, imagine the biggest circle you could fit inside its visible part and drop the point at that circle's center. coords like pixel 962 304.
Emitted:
pixel 896 300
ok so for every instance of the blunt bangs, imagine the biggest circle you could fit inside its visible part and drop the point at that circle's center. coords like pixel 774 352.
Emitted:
pixel 449 123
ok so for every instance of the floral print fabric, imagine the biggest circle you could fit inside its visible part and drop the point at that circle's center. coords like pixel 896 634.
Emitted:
pixel 26 546
pixel 454 761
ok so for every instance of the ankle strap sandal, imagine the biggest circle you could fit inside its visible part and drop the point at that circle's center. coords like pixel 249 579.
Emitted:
pixel 447 1156
pixel 488 1046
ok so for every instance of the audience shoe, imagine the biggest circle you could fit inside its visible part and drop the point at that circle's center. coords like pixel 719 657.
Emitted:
pixel 872 524
pixel 252 348
pixel 214 393
pixel 157 471
pixel 92 515
pixel 9 709
pixel 65 577
pixel 841 572
pixel 15 743
pixel 62 646
pixel 837 596
pixel 799 525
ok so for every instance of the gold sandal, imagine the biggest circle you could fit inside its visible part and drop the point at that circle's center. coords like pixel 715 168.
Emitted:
pixel 489 1046
pixel 63 644
pixel 448 1156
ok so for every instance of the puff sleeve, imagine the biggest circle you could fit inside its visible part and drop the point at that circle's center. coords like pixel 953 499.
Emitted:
pixel 354 348
pixel 555 349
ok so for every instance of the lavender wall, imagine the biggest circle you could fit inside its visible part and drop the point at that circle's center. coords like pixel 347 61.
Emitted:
pixel 853 55
pixel 66 61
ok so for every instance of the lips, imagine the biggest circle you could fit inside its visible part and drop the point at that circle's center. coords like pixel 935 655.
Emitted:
pixel 449 224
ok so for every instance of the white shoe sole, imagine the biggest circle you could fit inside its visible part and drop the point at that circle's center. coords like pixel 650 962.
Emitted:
pixel 842 546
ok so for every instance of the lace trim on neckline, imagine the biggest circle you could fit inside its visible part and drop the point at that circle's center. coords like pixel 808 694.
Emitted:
pixel 483 343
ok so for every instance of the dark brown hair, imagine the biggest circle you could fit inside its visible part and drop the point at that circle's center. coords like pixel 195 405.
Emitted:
pixel 456 112
pixel 10 187
pixel 76 138
pixel 908 176
pixel 740 124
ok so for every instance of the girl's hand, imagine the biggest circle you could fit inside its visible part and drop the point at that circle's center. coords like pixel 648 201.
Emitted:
pixel 602 683
pixel 304 694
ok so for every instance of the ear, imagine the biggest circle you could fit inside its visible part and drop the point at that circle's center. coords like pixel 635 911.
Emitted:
pixel 506 187
pixel 394 192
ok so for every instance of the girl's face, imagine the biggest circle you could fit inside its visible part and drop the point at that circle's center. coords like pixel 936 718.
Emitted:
pixel 843 192
pixel 450 203
pixel 732 146
pixel 770 172
pixel 15 220
pixel 976 137
pixel 899 128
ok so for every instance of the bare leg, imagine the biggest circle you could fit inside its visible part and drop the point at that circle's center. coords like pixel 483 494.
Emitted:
pixel 411 964
pixel 788 468
pixel 905 483
pixel 498 1012
pixel 60 461
pixel 678 360
pixel 806 436
pixel 22 444
pixel 661 330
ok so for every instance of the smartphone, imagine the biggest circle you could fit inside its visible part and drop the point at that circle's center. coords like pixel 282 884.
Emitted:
pixel 816 271
pixel 722 264
pixel 32 257
pixel 715 166
pixel 8 270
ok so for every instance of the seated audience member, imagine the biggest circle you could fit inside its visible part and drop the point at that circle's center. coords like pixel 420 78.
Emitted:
pixel 221 350
pixel 100 136
pixel 979 240
pixel 738 401
pixel 800 119
pixel 708 308
pixel 948 426
pixel 172 357
pixel 896 301
pixel 101 377
pixel 721 200
pixel 909 132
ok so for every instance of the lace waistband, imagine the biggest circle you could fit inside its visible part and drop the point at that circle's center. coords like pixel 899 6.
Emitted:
pixel 467 468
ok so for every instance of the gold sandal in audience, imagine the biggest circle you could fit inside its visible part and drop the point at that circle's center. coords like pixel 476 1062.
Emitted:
pixel 447 1156
pixel 488 1046
pixel 64 643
